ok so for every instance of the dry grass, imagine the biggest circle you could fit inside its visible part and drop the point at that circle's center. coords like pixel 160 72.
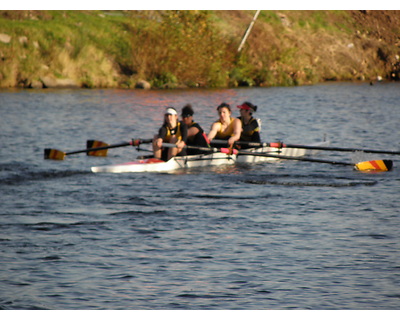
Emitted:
pixel 197 48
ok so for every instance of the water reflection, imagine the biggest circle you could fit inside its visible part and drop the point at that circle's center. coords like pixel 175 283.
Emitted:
pixel 279 235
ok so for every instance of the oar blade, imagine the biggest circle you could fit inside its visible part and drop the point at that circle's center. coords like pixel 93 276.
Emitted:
pixel 54 154
pixel 90 144
pixel 375 165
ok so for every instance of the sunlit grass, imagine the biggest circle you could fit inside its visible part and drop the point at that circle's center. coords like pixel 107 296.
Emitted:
pixel 185 48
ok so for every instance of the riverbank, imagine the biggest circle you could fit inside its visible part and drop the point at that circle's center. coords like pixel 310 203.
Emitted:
pixel 174 49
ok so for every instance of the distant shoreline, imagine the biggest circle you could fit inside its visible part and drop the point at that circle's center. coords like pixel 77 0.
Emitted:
pixel 196 49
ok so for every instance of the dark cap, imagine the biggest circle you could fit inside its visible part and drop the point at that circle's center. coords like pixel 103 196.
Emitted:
pixel 187 111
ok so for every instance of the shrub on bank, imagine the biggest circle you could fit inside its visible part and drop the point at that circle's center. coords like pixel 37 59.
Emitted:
pixel 172 49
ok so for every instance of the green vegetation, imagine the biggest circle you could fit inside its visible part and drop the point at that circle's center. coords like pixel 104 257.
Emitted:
pixel 172 49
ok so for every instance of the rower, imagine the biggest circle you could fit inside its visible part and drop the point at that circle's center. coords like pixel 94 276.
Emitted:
pixel 172 131
pixel 196 136
pixel 226 128
pixel 250 126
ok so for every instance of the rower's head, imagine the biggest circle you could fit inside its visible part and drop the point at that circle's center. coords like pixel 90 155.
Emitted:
pixel 247 108
pixel 187 114
pixel 224 110
pixel 171 115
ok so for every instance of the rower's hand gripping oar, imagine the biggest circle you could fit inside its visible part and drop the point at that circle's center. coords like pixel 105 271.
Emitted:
pixel 300 146
pixel 94 148
pixel 373 165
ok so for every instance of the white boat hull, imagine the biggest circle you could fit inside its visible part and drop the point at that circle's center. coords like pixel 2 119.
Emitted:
pixel 181 162
pixel 201 160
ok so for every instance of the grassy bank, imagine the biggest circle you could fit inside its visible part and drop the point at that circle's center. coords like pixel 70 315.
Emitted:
pixel 170 49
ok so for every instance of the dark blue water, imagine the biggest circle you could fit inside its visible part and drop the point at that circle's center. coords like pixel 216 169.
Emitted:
pixel 284 235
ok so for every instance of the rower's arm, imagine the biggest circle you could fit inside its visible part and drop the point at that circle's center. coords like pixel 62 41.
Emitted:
pixel 213 132
pixel 256 137
pixel 193 131
pixel 184 132
pixel 162 132
pixel 237 129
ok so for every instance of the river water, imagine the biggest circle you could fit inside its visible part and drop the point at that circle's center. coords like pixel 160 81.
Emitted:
pixel 276 236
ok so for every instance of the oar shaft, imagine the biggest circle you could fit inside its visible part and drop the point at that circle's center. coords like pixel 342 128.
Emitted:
pixel 172 145
pixel 241 143
pixel 340 149
pixel 268 155
pixel 133 142
pixel 300 146
pixel 59 155
pixel 100 148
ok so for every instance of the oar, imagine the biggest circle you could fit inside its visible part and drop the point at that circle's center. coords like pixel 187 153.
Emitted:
pixel 55 154
pixel 205 149
pixel 300 146
pixel 337 149
pixel 375 165
pixel 95 144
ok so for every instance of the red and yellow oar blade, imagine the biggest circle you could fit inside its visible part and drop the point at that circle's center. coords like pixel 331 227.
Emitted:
pixel 375 165
pixel 54 154
pixel 90 144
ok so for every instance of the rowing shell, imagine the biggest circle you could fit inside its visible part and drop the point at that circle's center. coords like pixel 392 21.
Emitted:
pixel 178 162
pixel 201 160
